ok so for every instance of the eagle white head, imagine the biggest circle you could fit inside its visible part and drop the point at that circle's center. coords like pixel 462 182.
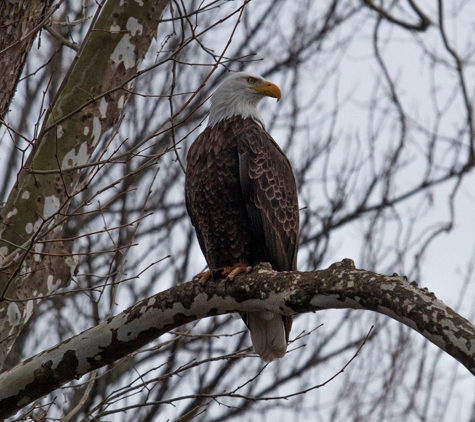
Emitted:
pixel 239 95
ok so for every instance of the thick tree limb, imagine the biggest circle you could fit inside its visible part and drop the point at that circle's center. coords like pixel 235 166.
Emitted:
pixel 339 287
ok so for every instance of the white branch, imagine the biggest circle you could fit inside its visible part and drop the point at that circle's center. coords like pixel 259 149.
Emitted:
pixel 341 287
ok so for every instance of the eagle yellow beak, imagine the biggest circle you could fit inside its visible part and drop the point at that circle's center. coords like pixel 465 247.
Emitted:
pixel 268 89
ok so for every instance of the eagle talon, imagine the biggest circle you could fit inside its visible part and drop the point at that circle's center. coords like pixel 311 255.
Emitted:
pixel 226 281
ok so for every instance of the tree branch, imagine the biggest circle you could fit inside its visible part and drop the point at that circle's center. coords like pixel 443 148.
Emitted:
pixel 422 25
pixel 341 286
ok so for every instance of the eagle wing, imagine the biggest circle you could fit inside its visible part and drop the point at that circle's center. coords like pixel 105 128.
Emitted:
pixel 269 190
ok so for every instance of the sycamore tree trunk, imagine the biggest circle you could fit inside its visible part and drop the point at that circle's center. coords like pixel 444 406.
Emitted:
pixel 89 103
pixel 342 286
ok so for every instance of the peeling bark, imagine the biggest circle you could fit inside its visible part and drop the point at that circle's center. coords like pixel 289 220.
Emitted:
pixel 81 113
pixel 341 286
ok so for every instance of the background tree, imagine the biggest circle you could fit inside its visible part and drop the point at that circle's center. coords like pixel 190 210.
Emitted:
pixel 377 120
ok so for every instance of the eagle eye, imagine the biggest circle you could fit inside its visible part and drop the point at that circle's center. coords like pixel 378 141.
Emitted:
pixel 251 80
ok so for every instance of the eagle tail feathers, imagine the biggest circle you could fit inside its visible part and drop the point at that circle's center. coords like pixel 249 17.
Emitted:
pixel 267 334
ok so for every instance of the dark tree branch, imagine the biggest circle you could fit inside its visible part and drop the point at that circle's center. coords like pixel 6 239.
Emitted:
pixel 341 286
pixel 422 25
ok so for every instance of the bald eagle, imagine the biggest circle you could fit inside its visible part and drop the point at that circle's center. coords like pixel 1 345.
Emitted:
pixel 242 199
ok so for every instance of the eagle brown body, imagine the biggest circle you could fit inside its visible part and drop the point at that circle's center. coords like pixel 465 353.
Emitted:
pixel 241 197
pixel 242 200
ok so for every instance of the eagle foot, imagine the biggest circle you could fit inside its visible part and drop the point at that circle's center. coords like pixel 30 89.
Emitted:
pixel 228 272
pixel 231 272
pixel 203 277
